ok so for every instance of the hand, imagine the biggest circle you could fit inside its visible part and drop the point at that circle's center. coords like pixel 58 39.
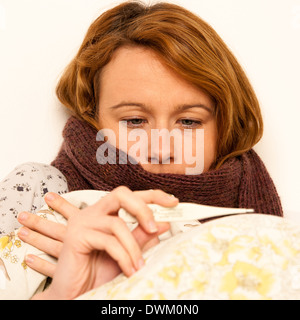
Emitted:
pixel 95 238
pixel 48 236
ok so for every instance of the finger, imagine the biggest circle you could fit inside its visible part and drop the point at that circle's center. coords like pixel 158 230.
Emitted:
pixel 94 240
pixel 158 197
pixel 115 226
pixel 60 205
pixel 144 239
pixel 153 242
pixel 141 211
pixel 41 242
pixel 40 265
pixel 122 197
pixel 48 228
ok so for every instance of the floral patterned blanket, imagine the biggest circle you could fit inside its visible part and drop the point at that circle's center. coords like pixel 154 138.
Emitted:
pixel 249 256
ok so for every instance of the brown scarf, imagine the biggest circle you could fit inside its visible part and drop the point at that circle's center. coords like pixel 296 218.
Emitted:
pixel 241 181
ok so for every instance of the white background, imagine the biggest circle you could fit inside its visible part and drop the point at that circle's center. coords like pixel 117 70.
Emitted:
pixel 39 37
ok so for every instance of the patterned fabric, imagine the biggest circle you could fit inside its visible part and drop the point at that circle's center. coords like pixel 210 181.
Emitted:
pixel 17 281
pixel 250 256
pixel 239 257
pixel 24 189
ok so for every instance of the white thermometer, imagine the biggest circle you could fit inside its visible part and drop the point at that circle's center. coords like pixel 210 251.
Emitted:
pixel 185 211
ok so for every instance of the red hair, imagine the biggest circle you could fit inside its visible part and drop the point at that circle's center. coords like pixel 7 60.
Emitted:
pixel 189 46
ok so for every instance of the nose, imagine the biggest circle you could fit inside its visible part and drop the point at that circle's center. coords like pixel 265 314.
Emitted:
pixel 161 147
pixel 159 158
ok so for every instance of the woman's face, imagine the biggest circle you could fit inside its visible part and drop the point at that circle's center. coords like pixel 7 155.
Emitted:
pixel 137 91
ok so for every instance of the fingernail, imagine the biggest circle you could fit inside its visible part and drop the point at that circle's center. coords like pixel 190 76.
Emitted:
pixel 29 259
pixel 171 196
pixel 152 226
pixel 50 196
pixel 23 232
pixel 22 216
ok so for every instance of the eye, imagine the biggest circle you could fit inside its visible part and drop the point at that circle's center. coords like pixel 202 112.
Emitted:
pixel 189 123
pixel 134 122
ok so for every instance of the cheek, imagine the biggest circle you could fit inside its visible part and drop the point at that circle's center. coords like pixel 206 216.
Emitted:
pixel 210 145
pixel 207 140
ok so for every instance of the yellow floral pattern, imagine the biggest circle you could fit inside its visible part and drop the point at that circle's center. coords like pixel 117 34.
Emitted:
pixel 8 246
pixel 248 256
pixel 21 282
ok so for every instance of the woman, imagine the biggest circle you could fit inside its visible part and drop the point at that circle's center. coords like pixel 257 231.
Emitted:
pixel 147 67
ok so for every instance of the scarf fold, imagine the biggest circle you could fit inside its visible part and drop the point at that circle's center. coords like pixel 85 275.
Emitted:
pixel 241 182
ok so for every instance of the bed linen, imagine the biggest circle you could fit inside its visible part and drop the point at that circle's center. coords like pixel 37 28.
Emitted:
pixel 249 256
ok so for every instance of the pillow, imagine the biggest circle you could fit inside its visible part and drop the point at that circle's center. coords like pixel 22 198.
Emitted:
pixel 251 256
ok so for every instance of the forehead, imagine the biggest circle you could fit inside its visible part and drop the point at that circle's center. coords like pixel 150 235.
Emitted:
pixel 139 74
pixel 136 64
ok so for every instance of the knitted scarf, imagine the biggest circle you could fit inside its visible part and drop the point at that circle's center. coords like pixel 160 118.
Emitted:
pixel 241 182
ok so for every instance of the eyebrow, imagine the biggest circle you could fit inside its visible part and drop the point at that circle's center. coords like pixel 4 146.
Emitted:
pixel 178 108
